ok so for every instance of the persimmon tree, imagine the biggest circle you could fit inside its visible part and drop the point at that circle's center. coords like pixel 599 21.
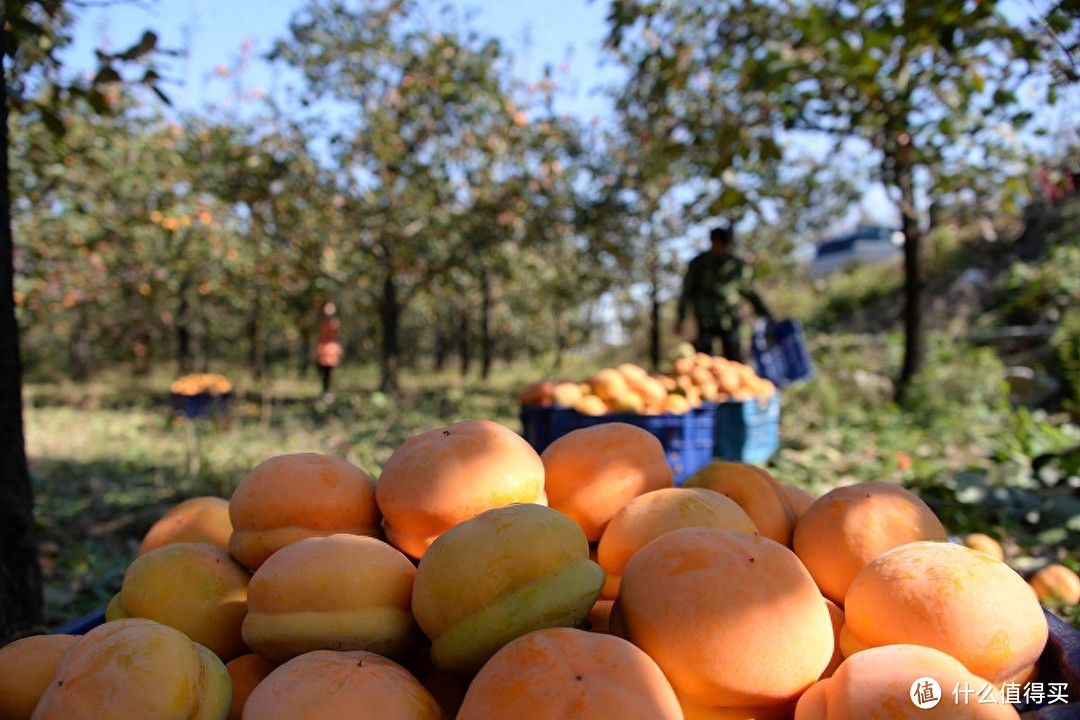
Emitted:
pixel 423 95
pixel 34 32
pixel 268 203
pixel 933 92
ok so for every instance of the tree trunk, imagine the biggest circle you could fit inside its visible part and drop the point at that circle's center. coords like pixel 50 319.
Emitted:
pixel 464 348
pixel 140 351
pixel 306 352
pixel 560 340
pixel 21 598
pixel 183 331
pixel 654 316
pixel 486 332
pixel 79 350
pixel 390 314
pixel 256 356
pixel 441 351
pixel 914 280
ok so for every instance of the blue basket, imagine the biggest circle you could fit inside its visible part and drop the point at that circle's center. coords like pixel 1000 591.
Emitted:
pixel 747 431
pixel 203 404
pixel 84 624
pixel 687 439
pixel 782 358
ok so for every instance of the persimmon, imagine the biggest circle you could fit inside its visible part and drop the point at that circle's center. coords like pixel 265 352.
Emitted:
pixel 608 384
pixel 199 519
pixel 591 472
pixel 650 515
pixel 341 592
pixel 882 683
pixel 600 615
pixel 326 684
pixel 847 527
pixel 197 588
pixel 755 490
pixel 733 619
pixel 564 672
pixel 136 668
pixel 499 575
pixel 836 615
pixel 799 498
pixel 1056 584
pixel 538 392
pixel 566 393
pixel 27 666
pixel 245 673
pixel 295 496
pixel 984 543
pixel 592 405
pixel 950 597
pixel 440 477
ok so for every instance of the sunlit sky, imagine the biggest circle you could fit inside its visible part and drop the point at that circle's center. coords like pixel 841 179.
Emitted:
pixel 566 34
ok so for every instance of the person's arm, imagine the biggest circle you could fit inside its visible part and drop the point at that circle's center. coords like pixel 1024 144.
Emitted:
pixel 750 293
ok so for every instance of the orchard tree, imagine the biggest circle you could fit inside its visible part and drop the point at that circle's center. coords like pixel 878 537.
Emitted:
pixel 91 210
pixel 33 33
pixel 421 100
pixel 274 210
pixel 935 91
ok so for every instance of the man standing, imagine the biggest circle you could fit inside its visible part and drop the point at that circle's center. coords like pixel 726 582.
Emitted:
pixel 715 282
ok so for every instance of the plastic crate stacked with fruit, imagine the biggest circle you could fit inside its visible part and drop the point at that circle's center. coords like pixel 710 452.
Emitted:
pixel 477 578
pixel 706 407
pixel 199 394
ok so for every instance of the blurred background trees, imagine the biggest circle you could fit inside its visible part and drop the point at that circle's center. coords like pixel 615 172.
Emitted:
pixel 450 211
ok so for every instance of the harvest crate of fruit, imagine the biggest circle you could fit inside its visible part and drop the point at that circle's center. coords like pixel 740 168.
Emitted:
pixel 200 394
pixel 747 430
pixel 706 407
pixel 687 438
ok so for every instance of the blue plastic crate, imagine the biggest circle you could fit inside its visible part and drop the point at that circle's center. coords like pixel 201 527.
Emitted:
pixel 538 425
pixel 747 430
pixel 687 439
pixel 201 405
pixel 782 358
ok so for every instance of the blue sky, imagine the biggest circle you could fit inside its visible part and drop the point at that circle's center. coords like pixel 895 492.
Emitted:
pixel 564 33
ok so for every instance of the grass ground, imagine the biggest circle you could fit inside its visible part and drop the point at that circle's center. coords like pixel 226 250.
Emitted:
pixel 109 457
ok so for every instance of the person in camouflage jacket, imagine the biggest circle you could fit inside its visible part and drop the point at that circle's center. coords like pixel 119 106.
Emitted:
pixel 715 283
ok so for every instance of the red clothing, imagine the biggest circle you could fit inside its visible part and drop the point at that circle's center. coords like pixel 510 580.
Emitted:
pixel 328 349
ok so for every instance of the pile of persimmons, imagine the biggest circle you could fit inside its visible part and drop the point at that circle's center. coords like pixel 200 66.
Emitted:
pixel 476 578
pixel 629 388
pixel 200 384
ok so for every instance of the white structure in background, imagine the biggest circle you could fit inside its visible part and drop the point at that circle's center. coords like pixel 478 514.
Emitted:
pixel 866 246
pixel 609 325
